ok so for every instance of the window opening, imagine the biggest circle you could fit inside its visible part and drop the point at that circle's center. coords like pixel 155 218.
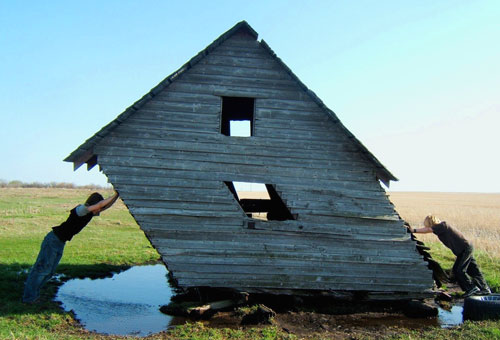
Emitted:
pixel 260 201
pixel 237 116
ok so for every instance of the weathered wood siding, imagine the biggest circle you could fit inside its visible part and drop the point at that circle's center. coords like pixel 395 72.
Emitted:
pixel 169 162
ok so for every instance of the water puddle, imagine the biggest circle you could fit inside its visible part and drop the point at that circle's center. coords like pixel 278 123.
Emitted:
pixel 451 318
pixel 126 304
pixel 129 304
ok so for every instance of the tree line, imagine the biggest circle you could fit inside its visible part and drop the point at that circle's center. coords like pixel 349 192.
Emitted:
pixel 58 185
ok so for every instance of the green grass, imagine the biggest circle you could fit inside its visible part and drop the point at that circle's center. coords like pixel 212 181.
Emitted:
pixel 490 266
pixel 113 242
pixel 110 243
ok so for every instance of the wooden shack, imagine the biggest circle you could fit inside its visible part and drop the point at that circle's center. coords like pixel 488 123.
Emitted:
pixel 326 225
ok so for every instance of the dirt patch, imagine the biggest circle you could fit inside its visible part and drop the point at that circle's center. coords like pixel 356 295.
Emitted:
pixel 334 319
pixel 312 325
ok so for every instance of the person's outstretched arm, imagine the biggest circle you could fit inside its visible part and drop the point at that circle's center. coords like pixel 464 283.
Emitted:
pixel 424 230
pixel 103 205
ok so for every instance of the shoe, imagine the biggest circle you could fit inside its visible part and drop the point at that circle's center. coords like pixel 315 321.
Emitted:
pixel 484 291
pixel 470 292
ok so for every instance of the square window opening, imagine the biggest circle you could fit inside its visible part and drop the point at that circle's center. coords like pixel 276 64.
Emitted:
pixel 237 116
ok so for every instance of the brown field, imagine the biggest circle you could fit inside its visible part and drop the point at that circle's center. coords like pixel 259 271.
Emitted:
pixel 476 215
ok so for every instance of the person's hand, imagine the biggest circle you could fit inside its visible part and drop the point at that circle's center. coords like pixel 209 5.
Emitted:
pixel 408 228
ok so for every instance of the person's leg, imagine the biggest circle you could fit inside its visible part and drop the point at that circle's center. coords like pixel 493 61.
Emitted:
pixel 476 275
pixel 460 270
pixel 50 254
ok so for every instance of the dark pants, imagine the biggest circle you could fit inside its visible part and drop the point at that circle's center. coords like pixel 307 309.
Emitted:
pixel 467 271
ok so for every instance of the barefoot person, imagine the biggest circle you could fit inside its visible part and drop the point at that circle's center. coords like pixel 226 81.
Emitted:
pixel 53 245
pixel 466 270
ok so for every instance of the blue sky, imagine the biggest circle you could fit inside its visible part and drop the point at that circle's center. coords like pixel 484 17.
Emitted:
pixel 417 82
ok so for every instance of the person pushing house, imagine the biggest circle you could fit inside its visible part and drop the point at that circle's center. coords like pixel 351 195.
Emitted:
pixel 466 270
pixel 53 244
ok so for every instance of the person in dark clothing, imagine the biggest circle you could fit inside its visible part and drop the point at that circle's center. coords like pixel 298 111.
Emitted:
pixel 466 270
pixel 52 246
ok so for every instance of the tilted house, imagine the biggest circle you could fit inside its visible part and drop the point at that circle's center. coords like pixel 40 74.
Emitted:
pixel 327 225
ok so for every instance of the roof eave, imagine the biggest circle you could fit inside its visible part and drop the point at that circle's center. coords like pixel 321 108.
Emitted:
pixel 85 152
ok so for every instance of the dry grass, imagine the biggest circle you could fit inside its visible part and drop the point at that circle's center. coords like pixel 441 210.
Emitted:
pixel 477 216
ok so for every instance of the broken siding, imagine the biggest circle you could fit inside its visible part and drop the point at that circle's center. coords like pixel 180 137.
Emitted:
pixel 169 163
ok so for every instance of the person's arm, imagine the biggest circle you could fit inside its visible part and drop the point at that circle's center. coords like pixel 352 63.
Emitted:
pixel 104 204
pixel 423 230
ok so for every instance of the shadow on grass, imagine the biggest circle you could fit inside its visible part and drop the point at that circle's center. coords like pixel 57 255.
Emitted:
pixel 13 276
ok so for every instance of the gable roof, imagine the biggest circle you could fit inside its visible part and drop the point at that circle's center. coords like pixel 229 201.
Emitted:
pixel 85 154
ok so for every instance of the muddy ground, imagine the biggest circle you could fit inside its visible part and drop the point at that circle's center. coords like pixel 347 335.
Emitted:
pixel 352 326
pixel 333 319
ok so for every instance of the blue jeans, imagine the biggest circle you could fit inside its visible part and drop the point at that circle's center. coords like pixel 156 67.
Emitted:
pixel 45 266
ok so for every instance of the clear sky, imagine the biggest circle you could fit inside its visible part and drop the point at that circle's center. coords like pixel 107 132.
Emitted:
pixel 417 82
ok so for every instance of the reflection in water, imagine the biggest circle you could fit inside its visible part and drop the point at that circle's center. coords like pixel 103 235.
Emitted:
pixel 451 318
pixel 129 304
pixel 126 304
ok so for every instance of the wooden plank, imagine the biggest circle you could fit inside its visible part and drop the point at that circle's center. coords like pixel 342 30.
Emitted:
pixel 183 193
pixel 299 191
pixel 286 85
pixel 124 131
pixel 306 136
pixel 156 229
pixel 189 107
pixel 227 70
pixel 287 104
pixel 315 202
pixel 290 277
pixel 210 122
pixel 298 282
pixel 356 273
pixel 256 255
pixel 170 126
pixel 173 116
pixel 239 41
pixel 233 148
pixel 186 197
pixel 358 209
pixel 295 98
pixel 297 259
pixel 164 222
pixel 240 62
pixel 315 166
pixel 186 97
pixel 234 166
pixel 164 204
pixel 159 185
pixel 245 50
pixel 291 125
pixel 241 52
pixel 338 243
pixel 360 232
pixel 366 230
pixel 111 164
pixel 297 114
pixel 262 252
pixel 173 242
pixel 140 210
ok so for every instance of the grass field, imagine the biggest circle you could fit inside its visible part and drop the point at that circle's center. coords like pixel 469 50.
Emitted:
pixel 113 241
